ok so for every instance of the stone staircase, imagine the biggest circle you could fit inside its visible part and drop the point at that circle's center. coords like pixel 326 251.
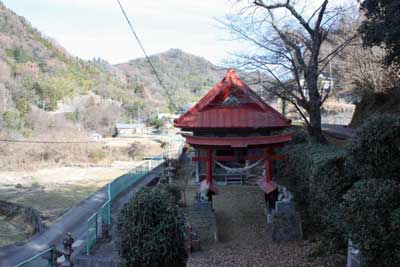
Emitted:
pixel 203 220
pixel 234 180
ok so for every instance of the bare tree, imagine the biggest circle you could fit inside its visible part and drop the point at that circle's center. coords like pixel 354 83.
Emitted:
pixel 287 43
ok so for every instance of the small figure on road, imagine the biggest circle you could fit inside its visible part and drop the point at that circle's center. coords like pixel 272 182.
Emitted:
pixel 68 241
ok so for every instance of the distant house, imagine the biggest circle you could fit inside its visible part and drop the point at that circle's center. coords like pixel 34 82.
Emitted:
pixel 167 118
pixel 129 129
pixel 185 108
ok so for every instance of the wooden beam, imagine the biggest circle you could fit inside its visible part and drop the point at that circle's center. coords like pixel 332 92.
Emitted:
pixel 232 158
pixel 269 157
pixel 219 158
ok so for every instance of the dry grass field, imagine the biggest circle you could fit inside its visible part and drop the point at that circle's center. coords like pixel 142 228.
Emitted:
pixel 53 177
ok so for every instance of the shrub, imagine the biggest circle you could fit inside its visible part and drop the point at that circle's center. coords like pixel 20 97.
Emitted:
pixel 175 192
pixel 151 230
pixel 11 120
pixel 370 211
pixel 97 155
pixel 23 106
pixel 156 123
pixel 299 165
pixel 299 136
pixel 375 147
pixel 330 180
pixel 317 176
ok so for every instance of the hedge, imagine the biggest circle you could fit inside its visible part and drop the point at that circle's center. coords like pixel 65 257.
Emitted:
pixel 330 180
pixel 151 230
pixel 332 186
pixel 372 220
pixel 375 147
pixel 318 177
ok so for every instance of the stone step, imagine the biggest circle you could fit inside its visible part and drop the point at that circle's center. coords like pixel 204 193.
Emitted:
pixel 234 180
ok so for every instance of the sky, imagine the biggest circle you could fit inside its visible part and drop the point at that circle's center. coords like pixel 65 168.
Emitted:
pixel 97 28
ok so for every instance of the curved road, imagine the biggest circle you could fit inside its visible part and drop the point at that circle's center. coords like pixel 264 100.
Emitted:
pixel 338 130
pixel 73 221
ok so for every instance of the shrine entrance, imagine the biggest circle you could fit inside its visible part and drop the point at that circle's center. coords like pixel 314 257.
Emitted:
pixel 231 133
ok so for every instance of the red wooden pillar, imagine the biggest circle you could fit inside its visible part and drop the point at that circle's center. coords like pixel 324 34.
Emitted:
pixel 268 171
pixel 209 166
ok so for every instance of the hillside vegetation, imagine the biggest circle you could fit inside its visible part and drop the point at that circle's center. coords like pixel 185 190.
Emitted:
pixel 38 77
pixel 185 76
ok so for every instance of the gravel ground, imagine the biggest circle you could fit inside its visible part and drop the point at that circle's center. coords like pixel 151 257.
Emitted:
pixel 245 237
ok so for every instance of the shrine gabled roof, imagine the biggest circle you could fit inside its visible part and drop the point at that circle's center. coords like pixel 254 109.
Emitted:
pixel 231 104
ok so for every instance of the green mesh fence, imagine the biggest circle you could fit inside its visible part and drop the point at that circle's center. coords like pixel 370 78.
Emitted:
pixel 47 258
pixel 91 232
pixel 44 259
pixel 117 186
pixel 123 182
pixel 105 212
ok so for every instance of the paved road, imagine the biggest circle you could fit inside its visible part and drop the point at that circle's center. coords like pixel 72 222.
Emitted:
pixel 73 221
pixel 338 130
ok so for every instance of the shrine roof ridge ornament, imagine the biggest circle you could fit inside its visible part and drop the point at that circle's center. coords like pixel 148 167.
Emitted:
pixel 231 104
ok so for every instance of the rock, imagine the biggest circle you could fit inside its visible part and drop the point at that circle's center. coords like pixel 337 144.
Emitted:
pixel 286 223
pixel 27 215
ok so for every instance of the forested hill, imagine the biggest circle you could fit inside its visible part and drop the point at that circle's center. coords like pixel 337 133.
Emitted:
pixel 36 73
pixel 185 76
pixel 34 69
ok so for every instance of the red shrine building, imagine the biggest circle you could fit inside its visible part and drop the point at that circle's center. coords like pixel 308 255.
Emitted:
pixel 231 128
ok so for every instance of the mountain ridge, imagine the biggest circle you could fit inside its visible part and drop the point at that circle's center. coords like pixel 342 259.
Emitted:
pixel 38 73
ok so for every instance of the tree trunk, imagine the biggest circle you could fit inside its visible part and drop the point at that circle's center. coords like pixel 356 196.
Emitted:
pixel 314 110
pixel 314 128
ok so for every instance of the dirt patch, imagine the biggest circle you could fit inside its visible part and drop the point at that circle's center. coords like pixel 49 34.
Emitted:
pixel 11 232
pixel 30 156
pixel 245 237
pixel 52 191
pixel 27 217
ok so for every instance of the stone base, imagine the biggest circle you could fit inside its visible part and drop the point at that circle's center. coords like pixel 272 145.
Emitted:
pixel 286 223
pixel 203 221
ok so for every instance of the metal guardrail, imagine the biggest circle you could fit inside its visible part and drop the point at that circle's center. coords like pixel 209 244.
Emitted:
pixel 91 232
pixel 47 258
pixel 44 259
pixel 119 185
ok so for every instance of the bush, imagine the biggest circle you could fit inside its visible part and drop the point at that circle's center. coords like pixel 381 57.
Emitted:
pixel 330 180
pixel 11 120
pixel 318 177
pixel 97 155
pixel 371 213
pixel 299 165
pixel 375 147
pixel 151 230
pixel 299 136
pixel 156 123
pixel 174 190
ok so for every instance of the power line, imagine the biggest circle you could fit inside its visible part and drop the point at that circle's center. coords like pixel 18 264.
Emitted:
pixel 147 57
pixel 47 142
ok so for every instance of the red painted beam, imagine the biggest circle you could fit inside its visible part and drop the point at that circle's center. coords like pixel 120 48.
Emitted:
pixel 219 158
pixel 237 141
pixel 232 158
